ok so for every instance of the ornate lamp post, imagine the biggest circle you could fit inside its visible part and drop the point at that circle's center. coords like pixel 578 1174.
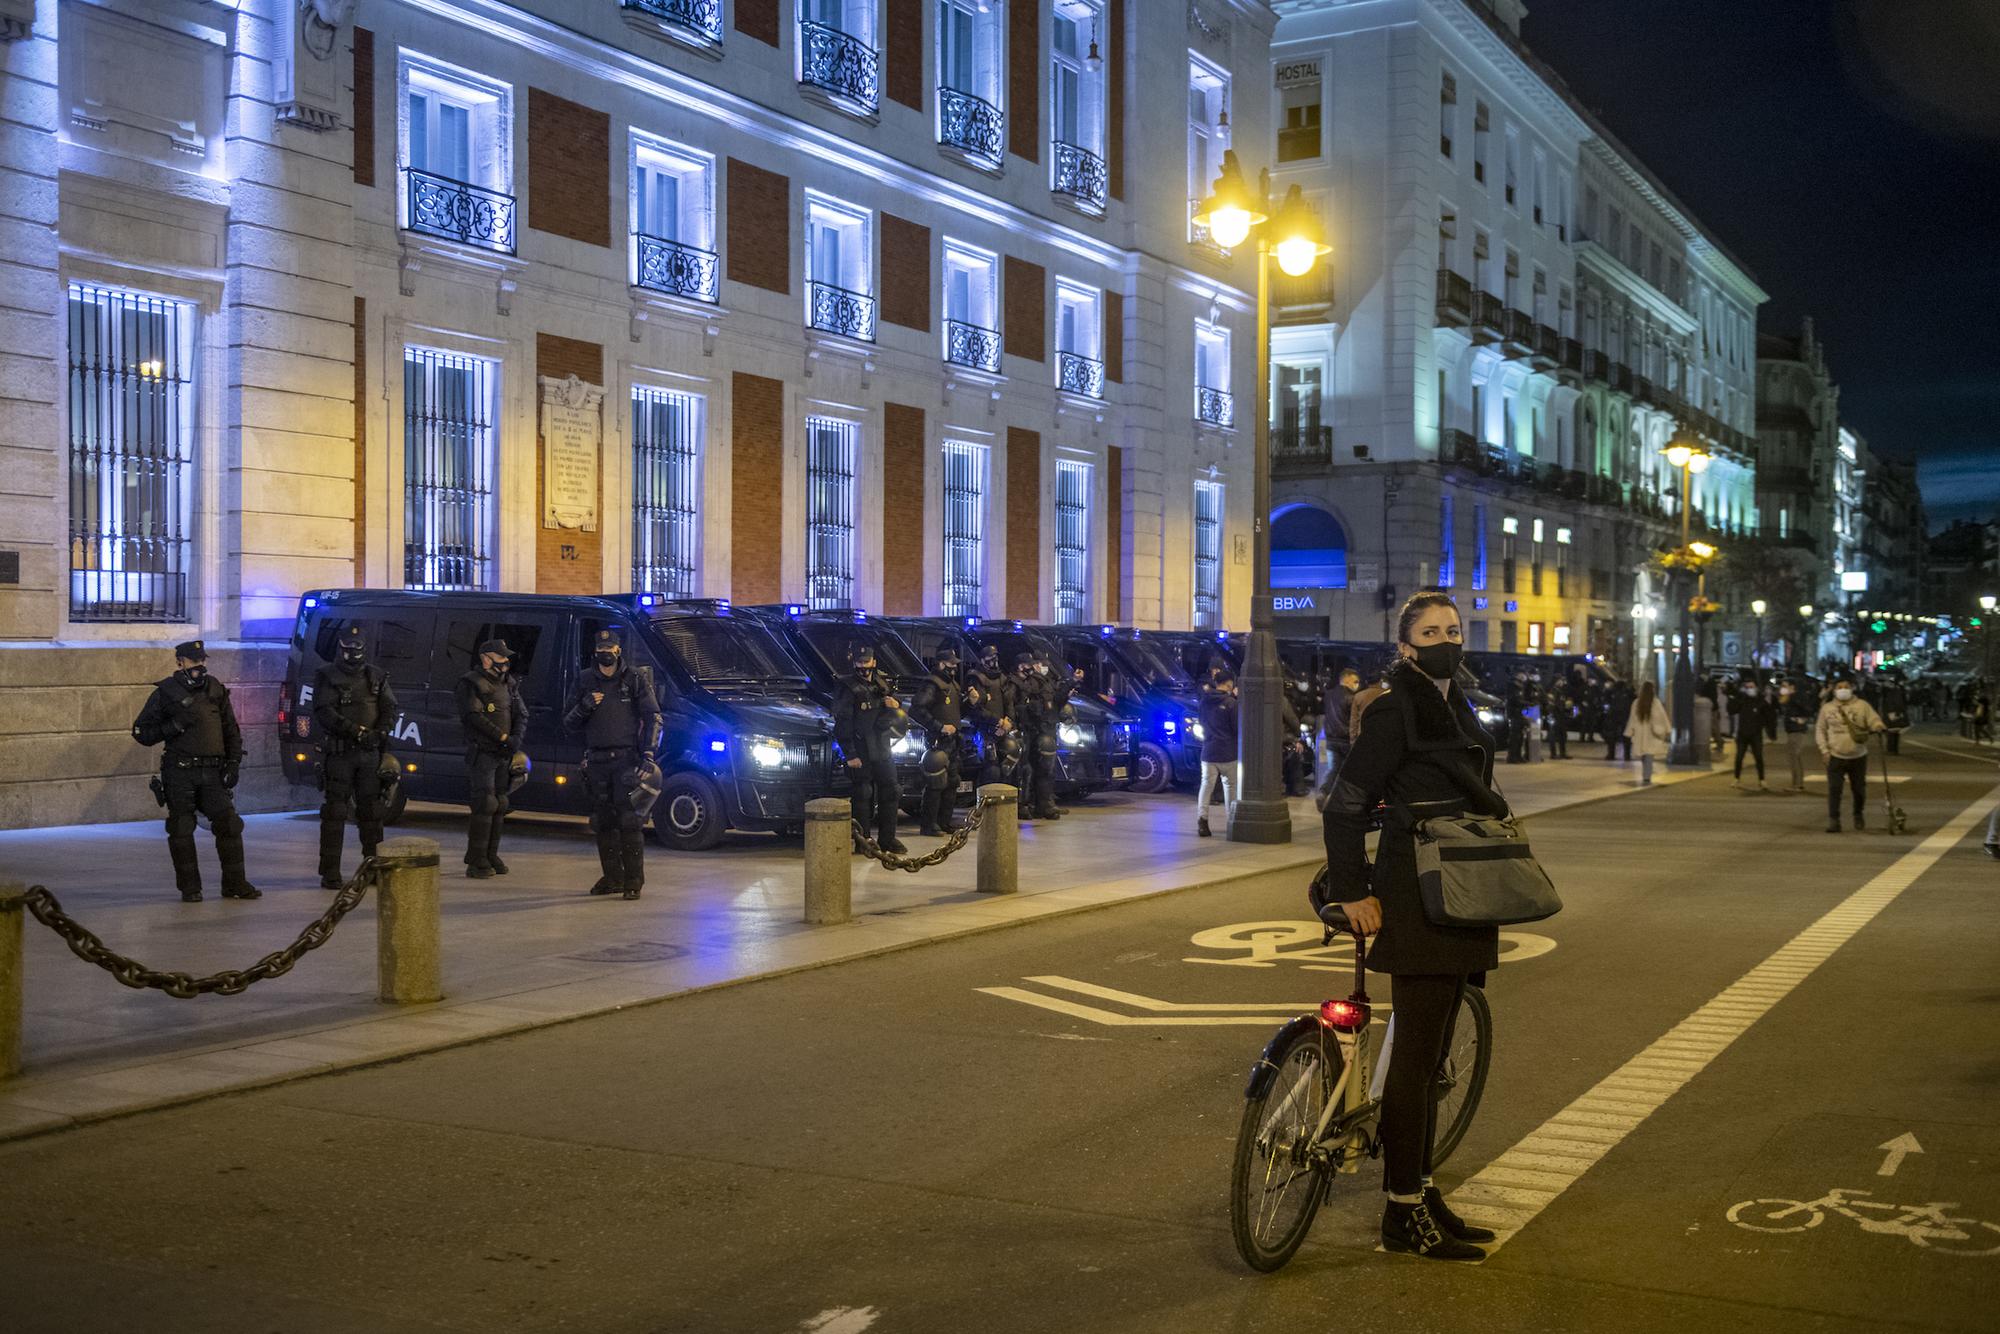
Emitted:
pixel 1757 606
pixel 1688 558
pixel 1232 210
pixel 1987 602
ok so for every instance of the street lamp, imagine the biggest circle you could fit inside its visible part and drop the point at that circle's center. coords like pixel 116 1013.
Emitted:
pixel 1987 602
pixel 1805 629
pixel 1690 459
pixel 1757 606
pixel 1231 211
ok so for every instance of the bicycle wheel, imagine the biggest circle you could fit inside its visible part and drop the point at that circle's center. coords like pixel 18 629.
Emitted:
pixel 1775 1215
pixel 1970 1241
pixel 1462 1075
pixel 1275 1186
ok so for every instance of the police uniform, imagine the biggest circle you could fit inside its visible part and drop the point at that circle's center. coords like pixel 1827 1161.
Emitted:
pixel 862 724
pixel 190 714
pixel 1035 714
pixel 940 703
pixel 495 720
pixel 353 710
pixel 988 698
pixel 619 716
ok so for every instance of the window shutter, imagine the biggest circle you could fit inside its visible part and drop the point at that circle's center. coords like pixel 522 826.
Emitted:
pixel 906 273
pixel 1024 524
pixel 905 52
pixel 1114 337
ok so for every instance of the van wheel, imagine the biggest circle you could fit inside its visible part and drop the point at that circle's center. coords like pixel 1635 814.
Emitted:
pixel 1152 769
pixel 398 805
pixel 688 815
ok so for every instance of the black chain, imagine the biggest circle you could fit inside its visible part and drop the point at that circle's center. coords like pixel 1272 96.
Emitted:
pixel 953 841
pixel 87 947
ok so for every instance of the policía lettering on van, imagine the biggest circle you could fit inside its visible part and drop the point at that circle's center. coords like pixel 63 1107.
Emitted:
pixel 405 728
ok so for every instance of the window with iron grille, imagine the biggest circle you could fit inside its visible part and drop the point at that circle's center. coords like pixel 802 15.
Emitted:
pixel 448 464
pixel 964 529
pixel 831 447
pixel 131 455
pixel 1208 555
pixel 1072 542
pixel 666 491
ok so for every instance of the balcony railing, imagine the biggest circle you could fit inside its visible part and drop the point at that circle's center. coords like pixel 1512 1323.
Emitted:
pixel 1295 446
pixel 1596 366
pixel 1486 314
pixel 1078 374
pixel 1079 175
pixel 1621 377
pixel 676 269
pixel 838 63
pixel 972 345
pixel 697 19
pixel 1643 390
pixel 1454 299
pixel 471 214
pixel 1572 355
pixel 836 310
pixel 1313 288
pixel 1461 448
pixel 1217 407
pixel 972 125
pixel 1548 347
pixel 1517 332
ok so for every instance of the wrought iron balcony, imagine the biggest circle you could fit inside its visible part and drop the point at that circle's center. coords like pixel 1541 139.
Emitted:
pixel 1621 377
pixel 1296 447
pixel 836 310
pixel 1461 448
pixel 1216 407
pixel 1572 356
pixel 676 269
pixel 1454 299
pixel 1643 390
pixel 1548 347
pixel 838 63
pixel 1310 289
pixel 1517 333
pixel 1596 366
pixel 1486 317
pixel 1079 175
pixel 700 20
pixel 970 345
pixel 1078 374
pixel 470 214
pixel 972 125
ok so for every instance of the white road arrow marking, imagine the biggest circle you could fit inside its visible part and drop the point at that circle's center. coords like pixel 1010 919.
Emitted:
pixel 1898 1149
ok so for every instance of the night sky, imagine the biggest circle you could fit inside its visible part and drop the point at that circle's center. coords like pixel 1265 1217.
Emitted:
pixel 1848 152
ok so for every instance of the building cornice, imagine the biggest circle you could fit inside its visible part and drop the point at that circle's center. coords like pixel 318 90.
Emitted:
pixel 1594 257
pixel 1612 154
pixel 1536 81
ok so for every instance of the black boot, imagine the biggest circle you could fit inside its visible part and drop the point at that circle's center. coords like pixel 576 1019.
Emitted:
pixel 632 850
pixel 611 861
pixel 1452 1224
pixel 331 833
pixel 493 847
pixel 235 884
pixel 1411 1229
pixel 478 835
pixel 927 808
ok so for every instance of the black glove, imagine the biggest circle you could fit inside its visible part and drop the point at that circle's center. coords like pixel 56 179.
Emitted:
pixel 364 735
pixel 649 757
pixel 229 776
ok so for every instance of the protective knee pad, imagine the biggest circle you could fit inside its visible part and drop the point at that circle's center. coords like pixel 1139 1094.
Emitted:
pixel 180 823
pixel 228 824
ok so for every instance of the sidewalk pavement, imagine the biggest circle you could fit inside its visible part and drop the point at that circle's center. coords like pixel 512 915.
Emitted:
pixel 532 949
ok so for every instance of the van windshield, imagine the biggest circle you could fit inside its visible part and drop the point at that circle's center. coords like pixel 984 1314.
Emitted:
pixel 715 649
pixel 1150 663
pixel 832 641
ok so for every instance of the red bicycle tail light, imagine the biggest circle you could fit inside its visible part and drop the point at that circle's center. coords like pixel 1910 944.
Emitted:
pixel 1346 1015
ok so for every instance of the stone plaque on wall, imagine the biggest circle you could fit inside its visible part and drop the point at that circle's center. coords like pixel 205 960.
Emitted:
pixel 572 438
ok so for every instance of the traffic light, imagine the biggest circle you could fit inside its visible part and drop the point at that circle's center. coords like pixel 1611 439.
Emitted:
pixel 1976 622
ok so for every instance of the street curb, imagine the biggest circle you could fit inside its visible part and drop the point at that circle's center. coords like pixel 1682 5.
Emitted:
pixel 57 1122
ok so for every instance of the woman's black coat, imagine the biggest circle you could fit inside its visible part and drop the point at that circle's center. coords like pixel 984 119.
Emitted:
pixel 1427 752
pixel 1218 728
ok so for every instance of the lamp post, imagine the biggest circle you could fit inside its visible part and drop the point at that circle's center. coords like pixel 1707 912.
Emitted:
pixel 1690 459
pixel 1232 210
pixel 1806 610
pixel 1987 602
pixel 1757 606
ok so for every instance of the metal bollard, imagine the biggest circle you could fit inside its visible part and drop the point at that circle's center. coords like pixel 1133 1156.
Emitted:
pixel 999 840
pixel 829 872
pixel 408 967
pixel 11 916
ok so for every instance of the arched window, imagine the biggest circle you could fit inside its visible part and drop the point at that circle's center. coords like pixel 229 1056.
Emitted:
pixel 1308 548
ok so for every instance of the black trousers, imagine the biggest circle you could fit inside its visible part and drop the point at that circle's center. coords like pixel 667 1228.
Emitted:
pixel 941 796
pixel 621 834
pixel 1038 782
pixel 876 793
pixel 1558 741
pixel 486 775
pixel 1838 771
pixel 1613 742
pixel 1750 742
pixel 352 786
pixel 199 788
pixel 1517 741
pixel 1426 1011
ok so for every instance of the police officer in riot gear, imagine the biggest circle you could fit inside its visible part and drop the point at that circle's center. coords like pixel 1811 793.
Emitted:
pixel 353 710
pixel 1035 714
pixel 864 720
pixel 619 715
pixel 939 709
pixel 495 719
pixel 190 713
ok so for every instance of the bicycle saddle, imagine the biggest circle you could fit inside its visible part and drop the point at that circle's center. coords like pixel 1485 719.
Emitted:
pixel 1335 916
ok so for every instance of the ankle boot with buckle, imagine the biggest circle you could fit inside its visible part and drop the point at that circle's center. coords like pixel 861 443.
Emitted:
pixel 1450 1223
pixel 1411 1229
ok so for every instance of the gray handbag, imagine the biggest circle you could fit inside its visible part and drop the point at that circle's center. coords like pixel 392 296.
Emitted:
pixel 1478 870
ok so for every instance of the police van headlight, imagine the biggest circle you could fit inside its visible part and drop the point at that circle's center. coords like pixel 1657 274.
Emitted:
pixel 910 743
pixel 1490 718
pixel 1195 729
pixel 1070 733
pixel 766 752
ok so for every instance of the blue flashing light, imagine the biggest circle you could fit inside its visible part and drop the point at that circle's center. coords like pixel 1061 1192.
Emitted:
pixel 1222 636
pixel 1104 630
pixel 972 622
pixel 1017 625
pixel 860 615
pixel 718 744
pixel 647 599
pixel 1479 604
pixel 794 609
pixel 312 602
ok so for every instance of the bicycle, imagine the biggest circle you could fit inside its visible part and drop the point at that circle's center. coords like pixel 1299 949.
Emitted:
pixel 1925 1225
pixel 1313 1101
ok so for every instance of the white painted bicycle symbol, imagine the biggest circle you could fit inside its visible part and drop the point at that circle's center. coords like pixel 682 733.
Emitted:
pixel 1926 1225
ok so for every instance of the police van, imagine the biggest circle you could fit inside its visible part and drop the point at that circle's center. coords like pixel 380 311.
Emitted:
pixel 1154 686
pixel 744 744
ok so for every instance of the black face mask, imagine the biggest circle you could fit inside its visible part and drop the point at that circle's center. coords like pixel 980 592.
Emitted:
pixel 1440 661
pixel 864 673
pixel 193 676
pixel 353 657
pixel 497 671
pixel 607 658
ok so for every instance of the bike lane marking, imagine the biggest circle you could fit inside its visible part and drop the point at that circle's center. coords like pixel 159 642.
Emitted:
pixel 1571 1142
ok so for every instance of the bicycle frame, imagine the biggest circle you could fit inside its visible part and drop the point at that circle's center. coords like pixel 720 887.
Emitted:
pixel 1356 1099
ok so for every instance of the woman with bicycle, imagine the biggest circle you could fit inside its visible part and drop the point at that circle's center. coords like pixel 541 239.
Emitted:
pixel 1419 749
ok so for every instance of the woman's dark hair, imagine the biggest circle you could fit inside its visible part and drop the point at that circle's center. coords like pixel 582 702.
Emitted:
pixel 1643 706
pixel 1418 604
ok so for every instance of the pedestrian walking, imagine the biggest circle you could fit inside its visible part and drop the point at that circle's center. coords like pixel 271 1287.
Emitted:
pixel 189 715
pixel 1756 721
pixel 1420 747
pixel 1798 714
pixel 939 708
pixel 495 720
pixel 1842 731
pixel 866 720
pixel 1617 709
pixel 353 710
pixel 1648 732
pixel 1218 749
pixel 618 711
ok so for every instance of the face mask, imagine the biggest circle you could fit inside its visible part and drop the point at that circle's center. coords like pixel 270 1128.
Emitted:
pixel 1041 669
pixel 352 657
pixel 1439 661
pixel 193 675
pixel 1784 694
pixel 1843 694
pixel 497 670
pixel 607 659
pixel 864 670
pixel 1751 691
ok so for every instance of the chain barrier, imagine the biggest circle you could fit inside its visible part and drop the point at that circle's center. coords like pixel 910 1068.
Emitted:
pixel 953 841
pixel 87 947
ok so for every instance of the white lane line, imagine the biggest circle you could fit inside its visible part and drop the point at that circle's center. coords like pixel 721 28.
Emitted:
pixel 1498 1195
pixel 841 1320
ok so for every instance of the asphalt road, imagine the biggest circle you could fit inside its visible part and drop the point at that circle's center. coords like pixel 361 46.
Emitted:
pixel 1018 1131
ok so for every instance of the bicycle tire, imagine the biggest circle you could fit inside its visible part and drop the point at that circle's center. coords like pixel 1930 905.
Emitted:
pixel 1813 1215
pixel 1310 1058
pixel 1951 1246
pixel 1455 1112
